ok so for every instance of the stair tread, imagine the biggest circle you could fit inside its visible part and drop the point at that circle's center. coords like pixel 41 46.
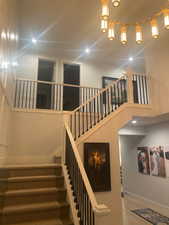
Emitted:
pixel 48 222
pixel 33 191
pixel 33 207
pixel 33 178
pixel 34 166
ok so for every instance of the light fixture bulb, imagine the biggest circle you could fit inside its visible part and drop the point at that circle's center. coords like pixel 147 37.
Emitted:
pixel 87 50
pixel 166 18
pixel 12 36
pixel 116 3
pixel 123 35
pixel 104 25
pixel 105 9
pixel 111 33
pixel 4 65
pixel 14 63
pixel 3 35
pixel 154 28
pixel 134 121
pixel 131 59
pixel 139 35
pixel 34 41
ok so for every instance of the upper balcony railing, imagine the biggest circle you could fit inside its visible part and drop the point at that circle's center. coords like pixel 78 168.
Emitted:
pixel 31 94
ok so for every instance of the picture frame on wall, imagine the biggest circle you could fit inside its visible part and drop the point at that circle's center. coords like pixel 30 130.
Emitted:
pixel 107 81
pixel 143 160
pixel 97 166
pixel 157 161
pixel 167 160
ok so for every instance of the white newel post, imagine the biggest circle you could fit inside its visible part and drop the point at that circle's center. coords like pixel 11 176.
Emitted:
pixel 130 86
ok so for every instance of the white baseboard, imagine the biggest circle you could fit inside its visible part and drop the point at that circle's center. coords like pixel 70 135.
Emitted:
pixel 157 204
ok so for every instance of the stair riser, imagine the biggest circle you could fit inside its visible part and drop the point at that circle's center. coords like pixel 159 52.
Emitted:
pixel 34 216
pixel 35 184
pixel 29 199
pixel 34 172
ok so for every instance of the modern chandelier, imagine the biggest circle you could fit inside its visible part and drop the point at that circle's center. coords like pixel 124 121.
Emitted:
pixel 109 26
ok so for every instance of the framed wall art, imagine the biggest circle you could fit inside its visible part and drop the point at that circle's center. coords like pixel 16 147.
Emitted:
pixel 97 165
pixel 157 161
pixel 143 160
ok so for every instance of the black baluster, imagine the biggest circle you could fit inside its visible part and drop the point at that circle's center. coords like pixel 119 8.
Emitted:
pixel 94 109
pixel 118 98
pixel 87 121
pixel 97 108
pixel 79 118
pixel 71 122
pixel 125 90
pixel 75 124
pixel 121 92
pixel 111 99
pixel 90 109
pixel 83 119
pixel 115 97
pixel 61 100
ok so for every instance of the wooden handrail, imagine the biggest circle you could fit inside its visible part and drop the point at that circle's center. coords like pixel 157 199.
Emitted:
pixel 54 83
pixel 99 93
pixel 98 208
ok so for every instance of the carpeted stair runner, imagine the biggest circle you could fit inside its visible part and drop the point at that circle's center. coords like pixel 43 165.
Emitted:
pixel 35 195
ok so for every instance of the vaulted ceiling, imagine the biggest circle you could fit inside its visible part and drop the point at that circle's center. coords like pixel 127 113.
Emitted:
pixel 66 27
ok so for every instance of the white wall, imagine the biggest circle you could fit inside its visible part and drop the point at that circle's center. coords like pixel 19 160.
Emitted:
pixel 8 11
pixel 149 187
pixel 90 73
pixel 157 58
pixel 36 137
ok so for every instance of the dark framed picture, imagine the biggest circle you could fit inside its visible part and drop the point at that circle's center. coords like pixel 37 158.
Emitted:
pixel 97 165
pixel 106 81
pixel 119 92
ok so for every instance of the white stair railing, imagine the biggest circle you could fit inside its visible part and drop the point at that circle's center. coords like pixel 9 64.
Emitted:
pixel 130 88
pixel 33 94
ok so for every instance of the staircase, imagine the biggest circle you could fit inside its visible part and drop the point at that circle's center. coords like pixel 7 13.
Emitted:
pixel 129 89
pixel 126 97
pixel 35 195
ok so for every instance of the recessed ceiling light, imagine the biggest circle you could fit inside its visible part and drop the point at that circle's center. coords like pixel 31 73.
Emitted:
pixel 87 50
pixel 134 121
pixel 12 36
pixel 4 65
pixel 131 59
pixel 15 64
pixel 34 41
